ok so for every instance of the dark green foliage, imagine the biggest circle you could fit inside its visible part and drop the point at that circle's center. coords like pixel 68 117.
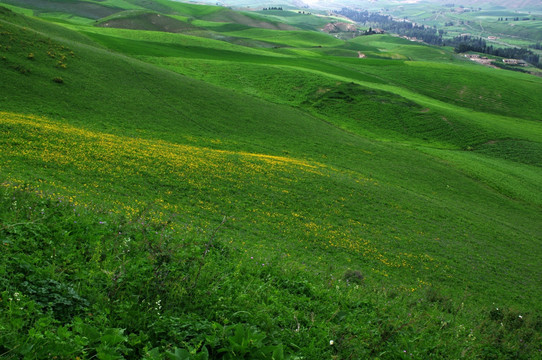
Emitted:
pixel 509 67
pixel 353 277
pixel 465 44
pixel 135 308
pixel 51 295
pixel 510 333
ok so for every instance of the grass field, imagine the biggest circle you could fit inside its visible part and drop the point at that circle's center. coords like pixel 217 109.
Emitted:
pixel 297 18
pixel 174 196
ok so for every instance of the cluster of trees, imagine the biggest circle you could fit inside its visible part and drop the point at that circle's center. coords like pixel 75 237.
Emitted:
pixel 371 32
pixel 433 36
pixel 537 46
pixel 364 16
pixel 273 8
pixel 508 67
pixel 427 34
pixel 468 43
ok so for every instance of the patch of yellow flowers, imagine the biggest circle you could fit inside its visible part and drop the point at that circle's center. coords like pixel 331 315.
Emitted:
pixel 132 175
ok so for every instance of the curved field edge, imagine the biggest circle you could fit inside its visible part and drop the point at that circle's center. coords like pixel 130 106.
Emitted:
pixel 268 76
pixel 454 126
pixel 454 86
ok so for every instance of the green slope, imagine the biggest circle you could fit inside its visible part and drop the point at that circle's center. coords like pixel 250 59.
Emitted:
pixel 298 18
pixel 144 20
pixel 85 9
pixel 320 164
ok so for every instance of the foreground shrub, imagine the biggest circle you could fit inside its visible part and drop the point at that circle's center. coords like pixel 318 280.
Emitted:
pixel 78 282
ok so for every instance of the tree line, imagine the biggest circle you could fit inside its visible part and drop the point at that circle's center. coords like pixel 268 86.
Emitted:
pixel 469 43
pixel 434 36
pixel 427 34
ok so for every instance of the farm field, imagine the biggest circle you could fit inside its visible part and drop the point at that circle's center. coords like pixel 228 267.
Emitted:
pixel 190 182
pixel 508 26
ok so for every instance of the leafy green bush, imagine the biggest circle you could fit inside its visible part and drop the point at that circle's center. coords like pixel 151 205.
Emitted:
pixel 81 282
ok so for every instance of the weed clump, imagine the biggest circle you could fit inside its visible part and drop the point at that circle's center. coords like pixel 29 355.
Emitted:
pixel 58 80
pixel 353 277
pixel 21 69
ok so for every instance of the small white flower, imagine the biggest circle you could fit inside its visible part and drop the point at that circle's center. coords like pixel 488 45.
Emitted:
pixel 331 342
pixel 521 317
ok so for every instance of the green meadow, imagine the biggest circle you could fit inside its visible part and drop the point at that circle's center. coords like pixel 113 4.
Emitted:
pixel 182 181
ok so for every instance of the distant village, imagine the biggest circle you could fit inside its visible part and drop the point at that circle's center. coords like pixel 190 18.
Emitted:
pixel 488 62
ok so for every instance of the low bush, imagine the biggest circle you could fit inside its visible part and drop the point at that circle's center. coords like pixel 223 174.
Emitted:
pixel 84 283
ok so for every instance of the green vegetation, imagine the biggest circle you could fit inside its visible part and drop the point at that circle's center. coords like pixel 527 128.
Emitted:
pixel 508 25
pixel 297 18
pixel 241 191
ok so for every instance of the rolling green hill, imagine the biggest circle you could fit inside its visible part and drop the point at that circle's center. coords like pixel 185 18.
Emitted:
pixel 143 20
pixel 167 195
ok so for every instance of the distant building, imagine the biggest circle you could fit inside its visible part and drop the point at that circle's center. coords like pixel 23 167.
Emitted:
pixel 479 59
pixel 514 62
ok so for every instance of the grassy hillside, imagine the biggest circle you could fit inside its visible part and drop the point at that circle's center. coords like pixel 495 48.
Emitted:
pixel 165 195
pixel 84 9
pixel 297 18
pixel 143 20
